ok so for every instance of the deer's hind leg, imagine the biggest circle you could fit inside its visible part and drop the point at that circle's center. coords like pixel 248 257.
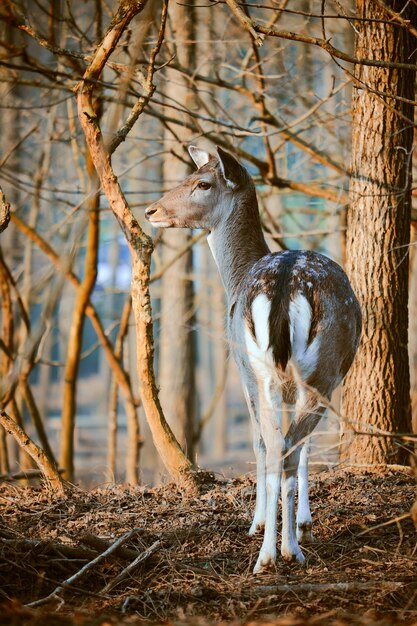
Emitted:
pixel 308 413
pixel 304 521
pixel 271 434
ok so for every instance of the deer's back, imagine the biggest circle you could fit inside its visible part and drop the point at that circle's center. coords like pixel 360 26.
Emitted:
pixel 310 311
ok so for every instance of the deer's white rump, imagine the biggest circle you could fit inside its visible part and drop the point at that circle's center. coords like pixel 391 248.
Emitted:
pixel 293 325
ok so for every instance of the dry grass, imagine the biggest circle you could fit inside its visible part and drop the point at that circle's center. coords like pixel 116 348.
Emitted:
pixel 196 559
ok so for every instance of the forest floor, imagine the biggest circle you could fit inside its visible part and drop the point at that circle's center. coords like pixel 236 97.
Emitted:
pixel 189 561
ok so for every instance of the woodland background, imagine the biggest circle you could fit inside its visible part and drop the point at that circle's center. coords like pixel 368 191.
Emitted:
pixel 329 143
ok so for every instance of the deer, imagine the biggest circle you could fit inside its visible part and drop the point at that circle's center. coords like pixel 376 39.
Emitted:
pixel 293 327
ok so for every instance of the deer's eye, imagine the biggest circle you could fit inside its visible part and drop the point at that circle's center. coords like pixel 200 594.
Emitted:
pixel 203 185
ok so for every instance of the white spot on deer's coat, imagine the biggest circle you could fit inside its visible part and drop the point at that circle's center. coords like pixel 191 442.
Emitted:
pixel 160 224
pixel 261 308
pixel 212 248
pixel 304 355
pixel 258 350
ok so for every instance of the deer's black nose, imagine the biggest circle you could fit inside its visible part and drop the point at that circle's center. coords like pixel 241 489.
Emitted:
pixel 150 211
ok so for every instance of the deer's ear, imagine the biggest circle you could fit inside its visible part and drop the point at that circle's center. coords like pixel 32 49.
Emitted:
pixel 233 172
pixel 200 157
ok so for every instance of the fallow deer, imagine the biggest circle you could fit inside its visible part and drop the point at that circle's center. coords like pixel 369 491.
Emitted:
pixel 293 324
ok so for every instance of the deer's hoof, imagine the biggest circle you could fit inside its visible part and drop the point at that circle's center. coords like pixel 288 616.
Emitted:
pixel 304 534
pixel 256 527
pixel 293 557
pixel 265 562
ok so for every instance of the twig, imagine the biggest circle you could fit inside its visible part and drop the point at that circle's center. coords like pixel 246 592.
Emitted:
pixel 27 475
pixel 346 587
pixel 72 579
pixel 398 18
pixel 190 243
pixel 245 21
pixel 124 573
pixel 327 46
pixel 100 544
pixel 140 104
pixel 389 523
pixel 70 552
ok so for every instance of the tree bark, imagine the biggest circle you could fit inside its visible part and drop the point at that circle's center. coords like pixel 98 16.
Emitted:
pixel 140 246
pixel 6 351
pixel 377 390
pixel 114 394
pixel 176 356
pixel 4 212
pixel 50 472
pixel 84 292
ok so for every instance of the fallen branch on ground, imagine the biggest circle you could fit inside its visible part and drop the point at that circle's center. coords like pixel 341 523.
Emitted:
pixel 127 570
pixel 100 544
pixel 345 587
pixel 54 595
pixel 25 475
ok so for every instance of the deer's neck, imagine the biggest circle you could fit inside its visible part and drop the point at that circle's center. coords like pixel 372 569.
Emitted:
pixel 237 243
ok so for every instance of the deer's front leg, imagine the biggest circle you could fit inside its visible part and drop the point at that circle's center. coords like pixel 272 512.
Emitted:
pixel 258 522
pixel 259 449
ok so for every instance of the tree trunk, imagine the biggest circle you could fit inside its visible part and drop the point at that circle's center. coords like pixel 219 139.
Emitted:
pixel 84 292
pixel 140 246
pixel 5 357
pixel 377 391
pixel 177 362
pixel 112 427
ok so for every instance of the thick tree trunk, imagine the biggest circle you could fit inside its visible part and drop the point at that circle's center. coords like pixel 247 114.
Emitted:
pixel 377 391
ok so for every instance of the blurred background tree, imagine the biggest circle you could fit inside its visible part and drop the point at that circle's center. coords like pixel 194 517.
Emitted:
pixel 285 110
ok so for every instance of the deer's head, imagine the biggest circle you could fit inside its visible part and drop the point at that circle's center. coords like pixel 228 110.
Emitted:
pixel 205 197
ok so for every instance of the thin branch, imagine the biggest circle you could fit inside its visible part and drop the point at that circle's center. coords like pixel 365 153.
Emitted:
pixel 398 18
pixel 51 474
pixel 91 311
pixel 70 581
pixel 132 566
pixel 246 22
pixel 327 46
pixel 149 87
pixel 180 253
pixel 114 395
